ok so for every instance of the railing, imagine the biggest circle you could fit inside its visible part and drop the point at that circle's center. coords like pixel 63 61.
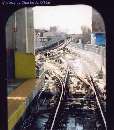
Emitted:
pixel 93 48
pixel 100 50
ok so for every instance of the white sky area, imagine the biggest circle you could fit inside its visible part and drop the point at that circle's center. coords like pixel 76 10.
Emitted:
pixel 68 18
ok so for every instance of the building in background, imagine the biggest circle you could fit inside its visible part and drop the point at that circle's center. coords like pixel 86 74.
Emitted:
pixel 53 29
pixel 39 38
pixel 44 38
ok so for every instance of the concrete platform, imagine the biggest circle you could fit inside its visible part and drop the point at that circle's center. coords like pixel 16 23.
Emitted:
pixel 24 90
pixel 20 98
pixel 13 84
pixel 15 111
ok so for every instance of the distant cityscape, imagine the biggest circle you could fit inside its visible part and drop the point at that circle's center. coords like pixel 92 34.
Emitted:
pixel 46 37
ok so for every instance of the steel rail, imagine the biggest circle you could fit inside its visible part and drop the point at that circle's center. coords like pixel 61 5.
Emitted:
pixel 58 106
pixel 56 47
pixel 91 84
pixel 98 102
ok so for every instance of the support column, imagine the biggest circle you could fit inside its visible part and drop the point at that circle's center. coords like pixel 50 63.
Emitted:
pixel 26 29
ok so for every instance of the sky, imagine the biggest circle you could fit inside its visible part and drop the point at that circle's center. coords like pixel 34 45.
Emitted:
pixel 68 18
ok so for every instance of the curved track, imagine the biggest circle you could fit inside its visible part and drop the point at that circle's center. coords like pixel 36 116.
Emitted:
pixel 57 113
pixel 89 83
pixel 61 96
pixel 97 99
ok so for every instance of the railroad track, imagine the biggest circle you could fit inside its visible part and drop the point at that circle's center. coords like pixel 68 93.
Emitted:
pixel 59 114
pixel 27 123
pixel 58 47
pixel 92 84
pixel 55 121
pixel 50 126
pixel 61 96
